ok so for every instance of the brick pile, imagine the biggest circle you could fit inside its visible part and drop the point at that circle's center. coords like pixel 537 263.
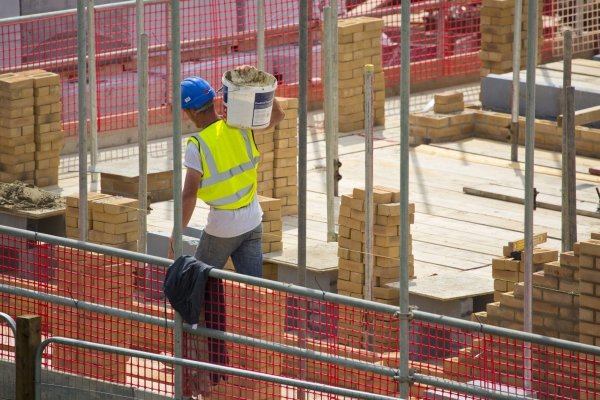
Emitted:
pixel 448 102
pixel 351 262
pixel 160 185
pixel 497 35
pixel 285 165
pixel 17 144
pixel 102 280
pixel 72 213
pixel 272 224
pixel 112 220
pixel 359 43
pixel 386 247
pixel 257 313
pixel 590 291
pixel 48 127
pixel 277 169
pixel 555 300
pixel 589 317
pixel 266 147
pixel 507 271
pixel 31 135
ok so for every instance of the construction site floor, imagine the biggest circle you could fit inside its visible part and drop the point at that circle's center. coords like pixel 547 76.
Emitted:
pixel 453 231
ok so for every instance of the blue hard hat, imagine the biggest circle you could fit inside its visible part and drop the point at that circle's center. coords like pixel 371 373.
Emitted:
pixel 195 92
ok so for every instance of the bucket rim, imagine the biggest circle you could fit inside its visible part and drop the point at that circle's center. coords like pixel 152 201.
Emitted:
pixel 231 85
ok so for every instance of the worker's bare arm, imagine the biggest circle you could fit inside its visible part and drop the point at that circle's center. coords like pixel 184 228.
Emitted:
pixel 188 203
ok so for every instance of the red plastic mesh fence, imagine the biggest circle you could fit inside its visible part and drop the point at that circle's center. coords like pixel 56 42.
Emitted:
pixel 219 35
pixel 493 362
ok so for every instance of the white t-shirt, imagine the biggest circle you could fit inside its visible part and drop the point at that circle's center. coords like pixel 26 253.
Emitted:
pixel 225 223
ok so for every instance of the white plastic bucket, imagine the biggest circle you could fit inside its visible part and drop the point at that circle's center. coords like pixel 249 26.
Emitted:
pixel 249 105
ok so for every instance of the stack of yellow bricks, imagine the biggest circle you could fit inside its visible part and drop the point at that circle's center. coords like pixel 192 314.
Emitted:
pixel 497 36
pixel 112 220
pixel 17 145
pixel 285 172
pixel 497 32
pixel 257 313
pixel 265 146
pixel 102 280
pixel 30 127
pixel 277 169
pixel 507 271
pixel 386 250
pixel 359 44
pixel 448 102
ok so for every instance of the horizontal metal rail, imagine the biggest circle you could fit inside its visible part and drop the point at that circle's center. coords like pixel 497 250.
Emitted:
pixel 229 337
pixel 465 388
pixel 318 387
pixel 311 293
pixel 507 333
pixel 72 11
pixel 11 322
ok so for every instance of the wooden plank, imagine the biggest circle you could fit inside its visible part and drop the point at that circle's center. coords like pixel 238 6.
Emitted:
pixel 582 117
pixel 578 67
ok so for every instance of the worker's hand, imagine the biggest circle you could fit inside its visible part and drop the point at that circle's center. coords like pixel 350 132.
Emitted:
pixel 171 254
pixel 243 69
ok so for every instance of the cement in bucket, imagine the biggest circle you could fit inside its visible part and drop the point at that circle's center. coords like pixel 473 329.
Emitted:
pixel 248 99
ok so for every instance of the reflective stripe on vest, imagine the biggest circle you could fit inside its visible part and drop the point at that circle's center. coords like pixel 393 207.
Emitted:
pixel 232 198
pixel 217 177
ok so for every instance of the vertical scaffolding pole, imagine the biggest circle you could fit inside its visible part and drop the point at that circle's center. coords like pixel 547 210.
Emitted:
pixel 569 211
pixel 532 44
pixel 329 95
pixel 93 96
pixel 260 35
pixel 404 222
pixel 143 141
pixel 516 86
pixel 302 133
pixel 369 214
pixel 334 90
pixel 82 131
pixel 177 177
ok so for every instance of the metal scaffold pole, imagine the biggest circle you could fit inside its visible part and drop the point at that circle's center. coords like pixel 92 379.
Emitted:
pixel 569 207
pixel 143 141
pixel 177 177
pixel 142 73
pixel 329 121
pixel 93 97
pixel 404 218
pixel 532 49
pixel 302 137
pixel 260 35
pixel 82 131
pixel 516 86
pixel 369 213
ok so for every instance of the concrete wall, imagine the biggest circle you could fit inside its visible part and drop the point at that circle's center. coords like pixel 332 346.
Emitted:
pixel 73 387
pixel 10 8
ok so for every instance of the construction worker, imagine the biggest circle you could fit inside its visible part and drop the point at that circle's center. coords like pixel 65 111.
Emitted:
pixel 221 166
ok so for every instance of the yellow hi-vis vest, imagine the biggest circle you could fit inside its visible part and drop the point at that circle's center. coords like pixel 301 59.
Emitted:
pixel 229 161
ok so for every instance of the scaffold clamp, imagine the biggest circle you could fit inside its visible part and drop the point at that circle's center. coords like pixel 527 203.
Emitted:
pixel 408 316
pixel 406 379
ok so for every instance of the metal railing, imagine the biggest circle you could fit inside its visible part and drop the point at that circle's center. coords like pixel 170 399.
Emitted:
pixel 194 364
pixel 401 376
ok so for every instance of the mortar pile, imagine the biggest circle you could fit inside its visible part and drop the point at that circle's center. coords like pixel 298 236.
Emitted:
pixel 21 196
